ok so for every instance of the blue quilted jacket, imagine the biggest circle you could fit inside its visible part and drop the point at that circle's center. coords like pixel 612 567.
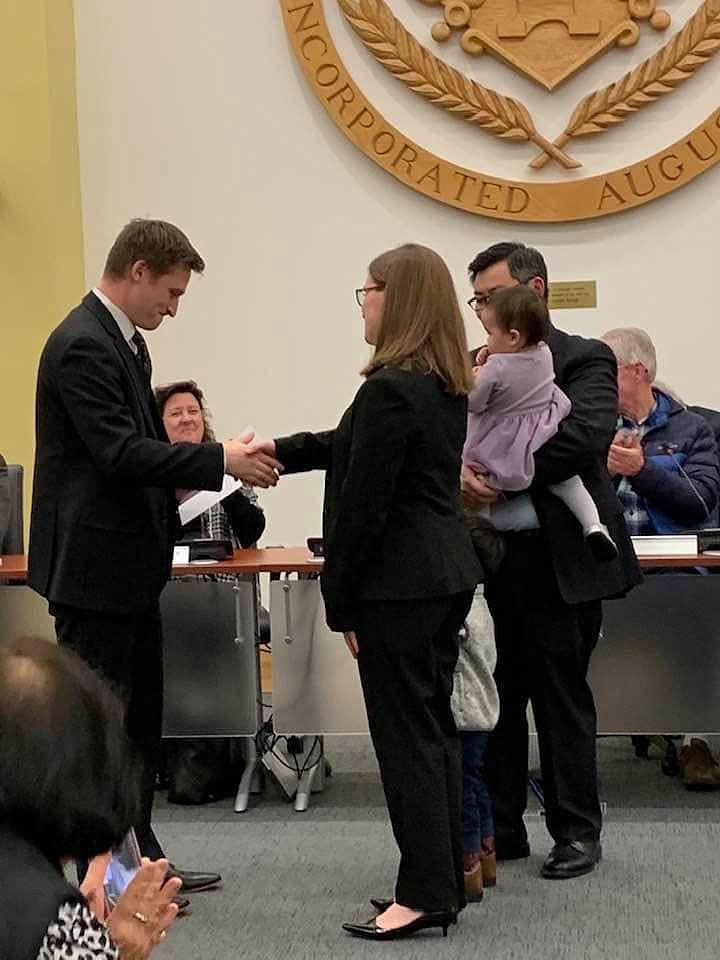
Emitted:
pixel 680 482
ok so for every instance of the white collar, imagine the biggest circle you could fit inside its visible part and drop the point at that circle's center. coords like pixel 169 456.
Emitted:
pixel 127 327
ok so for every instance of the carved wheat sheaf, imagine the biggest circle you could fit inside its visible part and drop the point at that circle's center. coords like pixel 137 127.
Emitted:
pixel 429 77
pixel 690 49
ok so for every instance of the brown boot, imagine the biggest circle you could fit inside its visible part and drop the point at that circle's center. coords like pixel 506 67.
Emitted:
pixel 699 770
pixel 489 862
pixel 473 872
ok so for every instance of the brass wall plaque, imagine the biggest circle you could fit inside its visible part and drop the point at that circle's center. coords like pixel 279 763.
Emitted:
pixel 426 75
pixel 572 294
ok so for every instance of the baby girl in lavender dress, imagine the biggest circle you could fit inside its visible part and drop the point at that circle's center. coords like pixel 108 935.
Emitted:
pixel 515 407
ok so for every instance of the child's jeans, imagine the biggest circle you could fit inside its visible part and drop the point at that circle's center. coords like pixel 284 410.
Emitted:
pixel 477 818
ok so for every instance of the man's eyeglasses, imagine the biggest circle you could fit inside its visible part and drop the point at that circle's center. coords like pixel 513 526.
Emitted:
pixel 362 292
pixel 480 301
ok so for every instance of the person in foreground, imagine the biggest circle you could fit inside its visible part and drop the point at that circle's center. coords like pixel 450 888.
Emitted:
pixel 400 569
pixel 65 793
pixel 545 595
pixel 104 510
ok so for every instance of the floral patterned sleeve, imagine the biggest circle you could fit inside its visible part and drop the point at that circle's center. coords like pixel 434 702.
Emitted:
pixel 77 934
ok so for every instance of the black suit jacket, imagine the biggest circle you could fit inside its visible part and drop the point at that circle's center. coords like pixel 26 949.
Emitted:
pixel 27 877
pixel 103 507
pixel 392 523
pixel 586 371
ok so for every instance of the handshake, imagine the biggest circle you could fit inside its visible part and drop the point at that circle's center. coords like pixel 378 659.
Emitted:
pixel 252 460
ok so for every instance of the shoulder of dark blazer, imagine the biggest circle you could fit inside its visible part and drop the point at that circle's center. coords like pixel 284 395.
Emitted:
pixel 573 348
pixel 411 384
pixel 91 319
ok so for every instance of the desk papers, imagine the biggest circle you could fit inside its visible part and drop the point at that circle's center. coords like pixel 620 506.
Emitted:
pixel 671 545
pixel 201 501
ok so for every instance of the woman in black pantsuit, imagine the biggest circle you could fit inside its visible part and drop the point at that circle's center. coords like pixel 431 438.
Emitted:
pixel 400 568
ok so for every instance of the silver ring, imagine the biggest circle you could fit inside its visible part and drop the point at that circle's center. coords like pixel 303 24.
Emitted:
pixel 140 916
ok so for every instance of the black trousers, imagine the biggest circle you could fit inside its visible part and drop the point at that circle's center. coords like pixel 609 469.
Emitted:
pixel 543 653
pixel 407 654
pixel 126 650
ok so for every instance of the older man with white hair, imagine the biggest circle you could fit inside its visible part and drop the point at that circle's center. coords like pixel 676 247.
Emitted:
pixel 664 460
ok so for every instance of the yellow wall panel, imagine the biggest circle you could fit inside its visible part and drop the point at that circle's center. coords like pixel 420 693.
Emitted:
pixel 41 259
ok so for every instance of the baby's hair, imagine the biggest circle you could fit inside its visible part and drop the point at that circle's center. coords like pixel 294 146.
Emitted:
pixel 521 308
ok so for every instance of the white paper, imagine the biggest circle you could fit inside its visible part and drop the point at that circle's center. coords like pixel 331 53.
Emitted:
pixel 181 555
pixel 201 501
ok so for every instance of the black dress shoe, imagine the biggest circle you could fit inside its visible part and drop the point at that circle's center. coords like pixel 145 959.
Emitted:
pixel 572 858
pixel 371 931
pixel 182 903
pixel 192 880
pixel 511 849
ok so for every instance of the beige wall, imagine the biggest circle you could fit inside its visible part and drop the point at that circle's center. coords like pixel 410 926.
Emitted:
pixel 198 113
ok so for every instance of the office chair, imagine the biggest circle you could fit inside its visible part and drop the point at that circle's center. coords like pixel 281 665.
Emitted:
pixel 13 541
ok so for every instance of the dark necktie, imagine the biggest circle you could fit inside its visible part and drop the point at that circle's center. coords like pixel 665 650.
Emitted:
pixel 143 355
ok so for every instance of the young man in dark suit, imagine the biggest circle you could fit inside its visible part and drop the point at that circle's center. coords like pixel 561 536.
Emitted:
pixel 546 596
pixel 104 510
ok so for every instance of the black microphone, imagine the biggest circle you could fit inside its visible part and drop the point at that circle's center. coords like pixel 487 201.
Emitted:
pixel 670 450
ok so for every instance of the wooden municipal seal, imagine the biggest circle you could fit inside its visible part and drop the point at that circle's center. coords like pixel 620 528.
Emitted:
pixel 426 75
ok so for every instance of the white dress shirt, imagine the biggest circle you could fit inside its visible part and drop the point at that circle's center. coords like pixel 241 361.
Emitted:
pixel 127 327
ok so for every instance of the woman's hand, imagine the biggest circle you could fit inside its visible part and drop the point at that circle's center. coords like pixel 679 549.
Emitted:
pixel 140 919
pixel 352 644
pixel 93 886
pixel 252 460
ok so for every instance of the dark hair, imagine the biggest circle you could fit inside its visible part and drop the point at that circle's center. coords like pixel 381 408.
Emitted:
pixel 521 309
pixel 168 390
pixel 68 782
pixel 523 262
pixel 161 245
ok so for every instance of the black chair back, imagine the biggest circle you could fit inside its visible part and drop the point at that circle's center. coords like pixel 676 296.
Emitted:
pixel 13 541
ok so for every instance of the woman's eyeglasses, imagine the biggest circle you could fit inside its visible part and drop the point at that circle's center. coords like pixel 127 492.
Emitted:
pixel 362 292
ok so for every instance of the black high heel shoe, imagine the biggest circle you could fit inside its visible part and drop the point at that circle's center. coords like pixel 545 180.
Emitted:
pixel 381 904
pixel 371 931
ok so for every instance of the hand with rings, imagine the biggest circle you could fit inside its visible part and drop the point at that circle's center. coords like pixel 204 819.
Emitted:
pixel 142 915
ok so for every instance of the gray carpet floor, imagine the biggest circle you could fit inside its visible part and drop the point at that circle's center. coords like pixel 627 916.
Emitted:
pixel 290 879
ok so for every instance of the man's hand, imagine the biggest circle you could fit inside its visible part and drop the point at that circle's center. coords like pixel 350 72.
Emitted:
pixel 474 490
pixel 145 910
pixel 625 461
pixel 626 438
pixel 252 460
pixel 352 644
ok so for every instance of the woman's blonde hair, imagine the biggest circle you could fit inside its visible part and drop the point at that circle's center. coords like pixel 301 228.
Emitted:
pixel 421 327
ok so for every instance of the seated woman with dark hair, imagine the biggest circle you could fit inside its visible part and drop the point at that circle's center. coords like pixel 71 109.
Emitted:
pixel 199 770
pixel 66 792
pixel 186 418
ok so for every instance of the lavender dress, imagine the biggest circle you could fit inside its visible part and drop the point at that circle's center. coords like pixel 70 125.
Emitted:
pixel 514 407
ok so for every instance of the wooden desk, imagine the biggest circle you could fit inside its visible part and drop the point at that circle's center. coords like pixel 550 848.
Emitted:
pixel 655 670
pixel 300 560
pixel 13 569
